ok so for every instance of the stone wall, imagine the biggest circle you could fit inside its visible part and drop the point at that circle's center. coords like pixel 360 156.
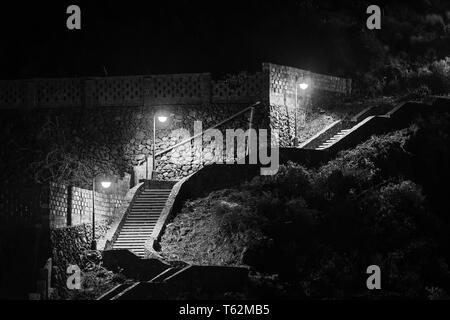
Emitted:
pixel 111 140
pixel 193 155
pixel 288 102
pixel 73 206
pixel 105 125
pixel 68 246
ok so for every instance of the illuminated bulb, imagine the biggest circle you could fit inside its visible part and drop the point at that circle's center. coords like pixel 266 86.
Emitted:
pixel 162 118
pixel 106 184
pixel 303 86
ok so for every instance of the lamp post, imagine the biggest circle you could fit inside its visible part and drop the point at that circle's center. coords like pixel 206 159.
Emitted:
pixel 161 118
pixel 303 86
pixel 105 184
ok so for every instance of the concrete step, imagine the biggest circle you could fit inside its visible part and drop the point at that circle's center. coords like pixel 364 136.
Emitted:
pixel 128 246
pixel 134 237
pixel 139 222
pixel 149 206
pixel 138 227
pixel 134 234
pixel 150 202
pixel 133 242
pixel 147 193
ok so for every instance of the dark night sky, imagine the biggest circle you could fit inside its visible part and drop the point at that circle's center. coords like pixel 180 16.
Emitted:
pixel 128 37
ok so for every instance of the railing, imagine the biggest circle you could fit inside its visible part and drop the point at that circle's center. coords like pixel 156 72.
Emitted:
pixel 250 108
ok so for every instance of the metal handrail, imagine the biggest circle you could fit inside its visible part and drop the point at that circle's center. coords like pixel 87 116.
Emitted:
pixel 211 128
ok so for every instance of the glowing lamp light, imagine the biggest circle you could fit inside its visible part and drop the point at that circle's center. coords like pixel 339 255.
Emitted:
pixel 304 86
pixel 106 184
pixel 162 118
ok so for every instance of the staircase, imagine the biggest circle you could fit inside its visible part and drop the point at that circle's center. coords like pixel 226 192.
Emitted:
pixel 338 136
pixel 141 220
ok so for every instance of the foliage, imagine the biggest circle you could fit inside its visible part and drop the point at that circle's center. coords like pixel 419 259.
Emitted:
pixel 317 230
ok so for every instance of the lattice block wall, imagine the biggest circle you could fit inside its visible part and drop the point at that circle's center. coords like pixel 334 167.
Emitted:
pixel 245 89
pixel 59 92
pixel 152 90
pixel 176 88
pixel 58 206
pixel 13 94
pixel 115 91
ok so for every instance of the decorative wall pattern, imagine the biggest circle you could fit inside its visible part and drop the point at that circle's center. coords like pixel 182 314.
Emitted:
pixel 115 91
pixel 177 88
pixel 13 94
pixel 243 87
pixel 58 92
pixel 106 206
pixel 152 90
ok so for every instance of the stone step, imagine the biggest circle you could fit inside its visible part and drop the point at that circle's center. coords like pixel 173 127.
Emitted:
pixel 138 227
pixel 158 194
pixel 148 202
pixel 128 245
pixel 135 233
pixel 131 241
pixel 142 217
pixel 141 220
pixel 146 212
pixel 134 221
pixel 133 236
pixel 148 206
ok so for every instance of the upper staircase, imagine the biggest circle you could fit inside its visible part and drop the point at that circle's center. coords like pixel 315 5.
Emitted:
pixel 329 142
pixel 141 219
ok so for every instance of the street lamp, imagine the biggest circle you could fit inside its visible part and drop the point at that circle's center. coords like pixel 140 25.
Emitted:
pixel 105 184
pixel 303 85
pixel 161 117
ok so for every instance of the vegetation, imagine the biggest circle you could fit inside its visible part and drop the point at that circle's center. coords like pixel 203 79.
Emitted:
pixel 313 232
